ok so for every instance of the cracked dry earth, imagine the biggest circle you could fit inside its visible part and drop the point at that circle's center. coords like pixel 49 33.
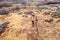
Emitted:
pixel 29 24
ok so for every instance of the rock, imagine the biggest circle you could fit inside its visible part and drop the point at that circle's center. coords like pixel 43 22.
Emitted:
pixel 49 21
pixel 56 14
pixel 29 13
pixel 4 11
pixel 47 13
pixel 3 26
pixel 58 21
pixel 48 3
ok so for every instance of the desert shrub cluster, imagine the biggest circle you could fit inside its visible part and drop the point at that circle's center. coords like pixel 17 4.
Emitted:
pixel 56 14
pixel 15 8
pixel 5 4
pixel 3 26
pixel 4 11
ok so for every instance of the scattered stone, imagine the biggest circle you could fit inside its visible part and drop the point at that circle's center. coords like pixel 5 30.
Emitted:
pixel 26 14
pixel 19 13
pixel 4 11
pixel 58 21
pixel 33 23
pixel 17 8
pixel 49 21
pixel 48 3
pixel 47 13
pixel 3 26
pixel 5 4
pixel 29 13
pixel 56 14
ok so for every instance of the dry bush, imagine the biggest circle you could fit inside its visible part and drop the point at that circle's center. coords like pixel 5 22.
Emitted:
pixel 5 4
pixel 15 8
pixel 55 14
pixel 1 0
pixel 49 20
pixel 3 26
pixel 4 11
pixel 47 13
pixel 58 20
pixel 29 13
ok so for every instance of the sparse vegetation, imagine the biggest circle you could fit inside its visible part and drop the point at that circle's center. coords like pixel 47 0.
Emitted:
pixel 3 26
pixel 29 13
pixel 4 11
pixel 16 8
pixel 58 21
pixel 55 14
pixel 47 13
pixel 32 22
pixel 49 20
pixel 5 4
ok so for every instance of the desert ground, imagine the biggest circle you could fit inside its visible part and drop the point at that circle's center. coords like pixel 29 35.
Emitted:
pixel 19 22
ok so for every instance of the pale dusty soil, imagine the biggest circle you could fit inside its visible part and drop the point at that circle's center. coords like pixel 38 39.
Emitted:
pixel 21 27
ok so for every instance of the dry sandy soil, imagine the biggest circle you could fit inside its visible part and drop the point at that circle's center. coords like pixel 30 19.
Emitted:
pixel 32 23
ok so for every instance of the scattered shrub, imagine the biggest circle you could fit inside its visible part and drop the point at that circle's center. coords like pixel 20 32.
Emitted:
pixel 29 13
pixel 15 8
pixel 47 13
pixel 5 4
pixel 1 0
pixel 3 26
pixel 4 11
pixel 56 14
pixel 58 21
pixel 49 21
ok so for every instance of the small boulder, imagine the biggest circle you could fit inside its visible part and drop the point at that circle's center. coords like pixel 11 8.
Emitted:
pixel 56 14
pixel 49 20
pixel 3 26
